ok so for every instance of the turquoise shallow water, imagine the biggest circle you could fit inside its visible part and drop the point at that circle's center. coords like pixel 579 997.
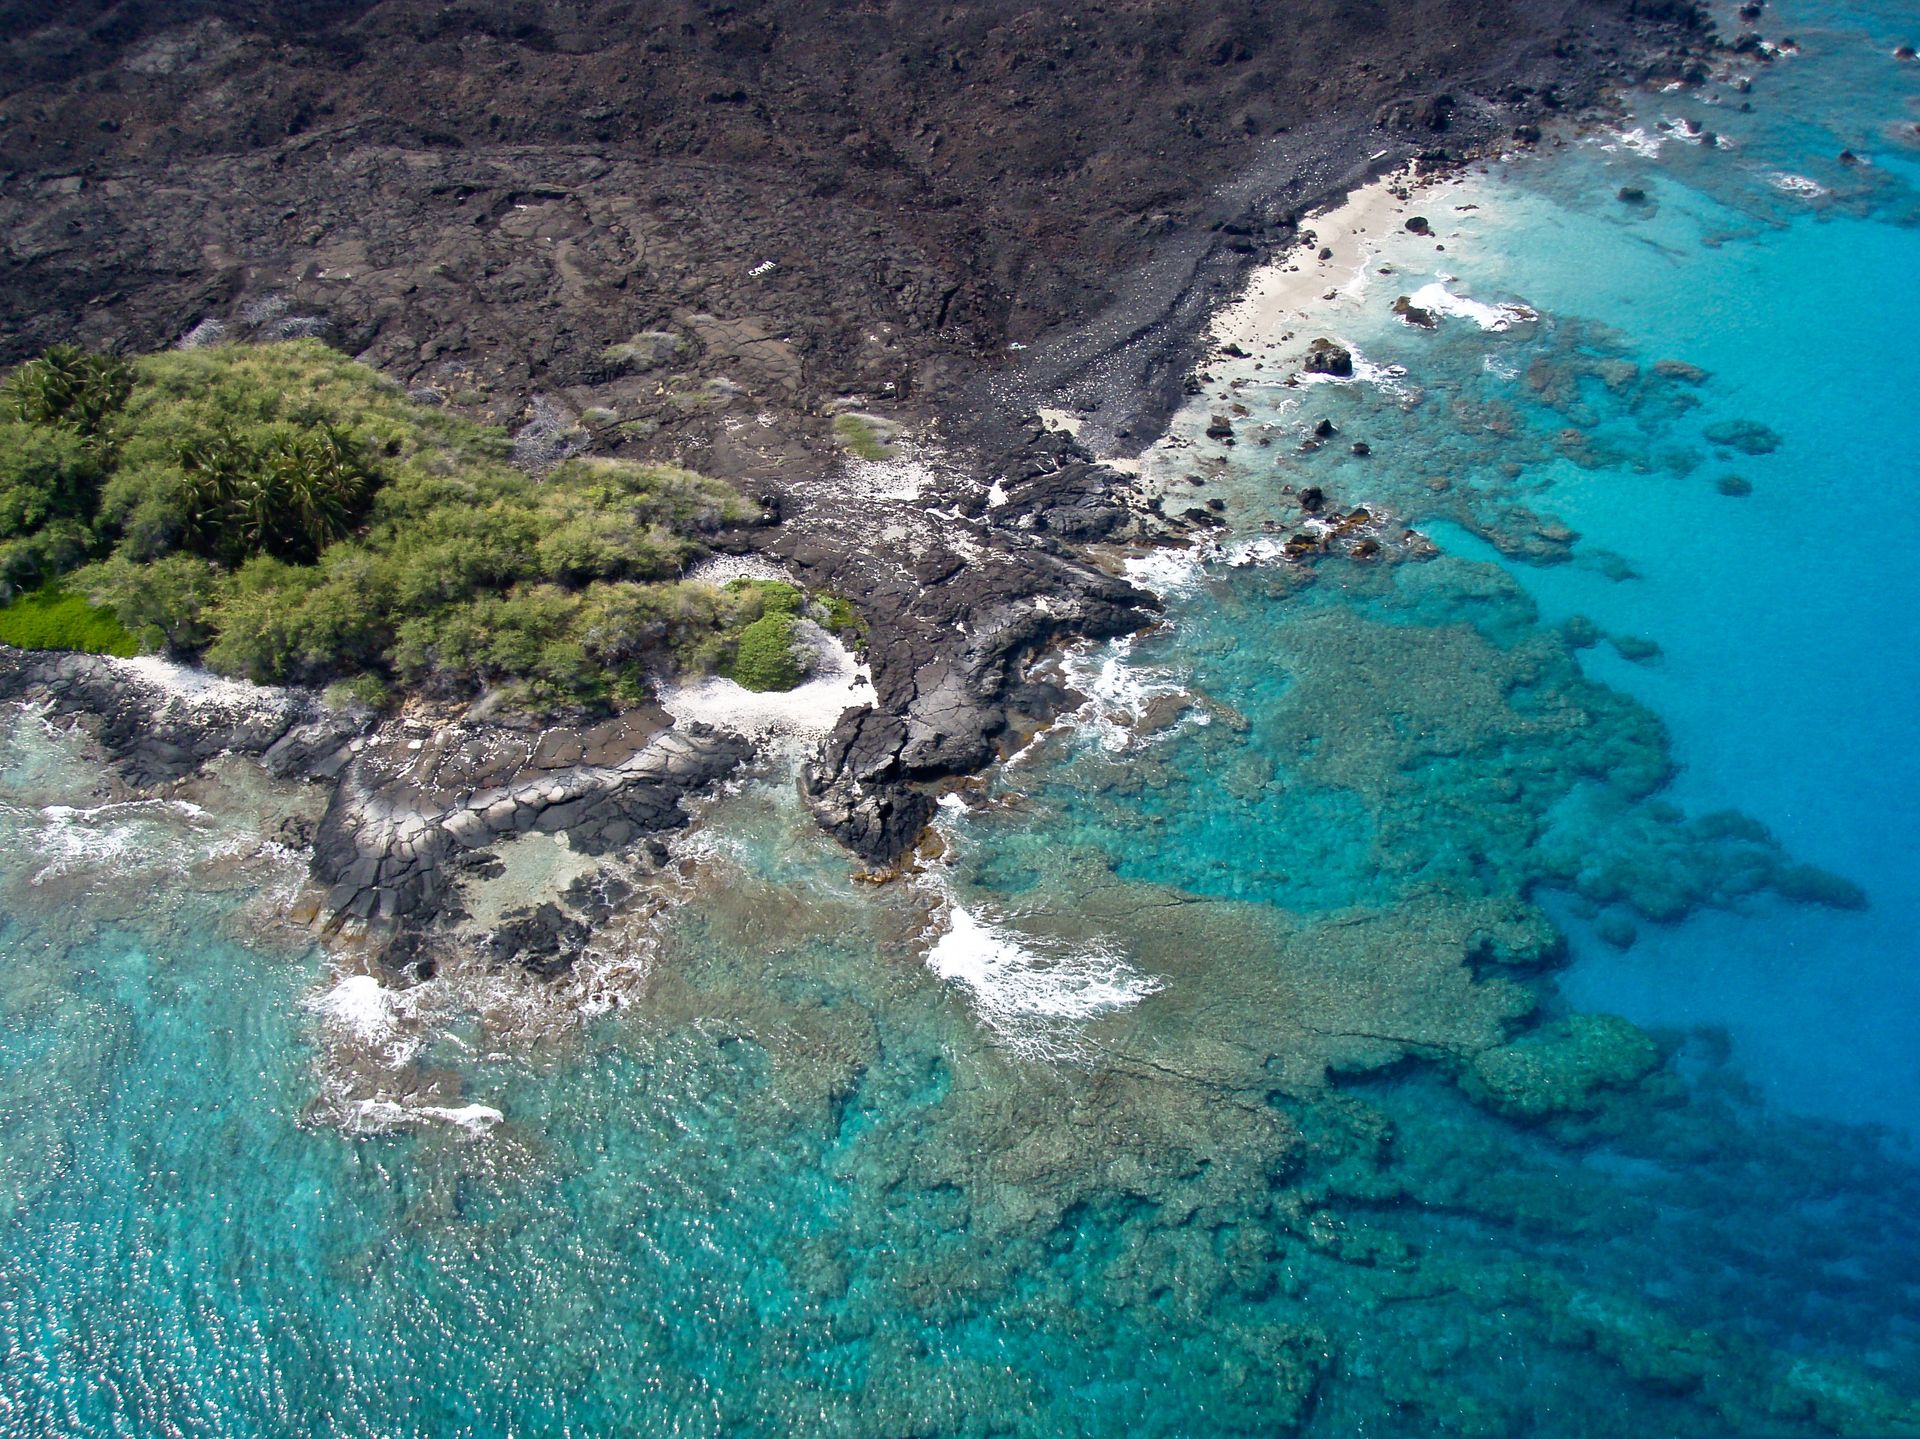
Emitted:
pixel 1255 1085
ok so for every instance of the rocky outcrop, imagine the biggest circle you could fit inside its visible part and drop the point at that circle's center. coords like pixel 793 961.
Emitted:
pixel 160 723
pixel 416 800
pixel 960 585
pixel 1324 357
pixel 415 804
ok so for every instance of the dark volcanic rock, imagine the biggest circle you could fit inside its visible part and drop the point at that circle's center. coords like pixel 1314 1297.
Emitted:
pixel 157 732
pixel 501 191
pixel 1324 357
pixel 417 804
pixel 1416 315
pixel 946 654
pixel 545 940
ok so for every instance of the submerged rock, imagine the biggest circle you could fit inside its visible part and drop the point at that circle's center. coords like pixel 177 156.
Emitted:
pixel 1567 1067
pixel 1681 370
pixel 1635 648
pixel 1750 437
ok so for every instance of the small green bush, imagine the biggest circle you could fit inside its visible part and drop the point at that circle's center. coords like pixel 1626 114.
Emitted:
pixel 840 618
pixel 363 691
pixel 52 620
pixel 764 657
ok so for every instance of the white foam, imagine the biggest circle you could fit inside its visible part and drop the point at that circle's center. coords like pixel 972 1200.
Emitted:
pixel 1035 995
pixel 358 1004
pixel 130 837
pixel 383 1116
pixel 1118 693
pixel 1442 301
pixel 1166 572
pixel 1797 185
pixel 835 684
pixel 359 1008
pixel 1637 140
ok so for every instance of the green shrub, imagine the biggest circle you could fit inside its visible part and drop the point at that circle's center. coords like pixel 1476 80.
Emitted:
pixel 363 691
pixel 279 490
pixel 764 656
pixel 46 473
pixel 165 604
pixel 840 618
pixel 50 619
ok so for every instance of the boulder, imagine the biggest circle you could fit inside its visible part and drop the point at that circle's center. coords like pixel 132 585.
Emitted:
pixel 1324 357
pixel 1418 316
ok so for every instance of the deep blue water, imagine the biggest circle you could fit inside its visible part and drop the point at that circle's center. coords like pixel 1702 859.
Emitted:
pixel 1238 1068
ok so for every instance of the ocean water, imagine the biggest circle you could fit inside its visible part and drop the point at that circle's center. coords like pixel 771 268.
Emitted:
pixel 1461 987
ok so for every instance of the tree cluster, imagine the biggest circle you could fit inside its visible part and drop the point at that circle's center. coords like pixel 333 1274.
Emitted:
pixel 286 514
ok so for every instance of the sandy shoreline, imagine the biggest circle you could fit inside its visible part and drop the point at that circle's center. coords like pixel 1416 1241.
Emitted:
pixel 1296 288
pixel 1299 288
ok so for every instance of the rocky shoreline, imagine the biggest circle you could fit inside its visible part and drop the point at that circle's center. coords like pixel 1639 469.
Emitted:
pixel 493 276
pixel 416 802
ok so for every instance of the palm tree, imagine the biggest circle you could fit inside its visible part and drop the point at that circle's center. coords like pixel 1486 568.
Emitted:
pixel 69 386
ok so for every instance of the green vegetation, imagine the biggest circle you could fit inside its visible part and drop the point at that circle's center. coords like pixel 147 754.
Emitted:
pixel 289 515
pixel 862 440
pixel 50 620
pixel 838 617
pixel 645 351
pixel 776 597
pixel 764 656
pixel 70 388
pixel 360 692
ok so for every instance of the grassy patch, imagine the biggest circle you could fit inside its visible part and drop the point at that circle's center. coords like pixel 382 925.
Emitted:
pixel 775 597
pixel 51 620
pixel 860 438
